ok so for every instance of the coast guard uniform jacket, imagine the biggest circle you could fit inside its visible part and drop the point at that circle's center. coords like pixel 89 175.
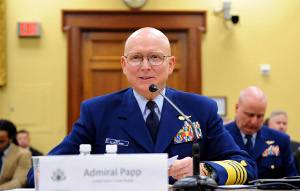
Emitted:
pixel 272 152
pixel 117 119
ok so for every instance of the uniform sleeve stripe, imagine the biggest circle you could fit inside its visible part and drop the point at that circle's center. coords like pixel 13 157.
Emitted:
pixel 236 172
pixel 241 171
pixel 230 172
pixel 239 175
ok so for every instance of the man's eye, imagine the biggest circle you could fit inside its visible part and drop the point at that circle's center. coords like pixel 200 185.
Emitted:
pixel 250 114
pixel 135 57
pixel 155 57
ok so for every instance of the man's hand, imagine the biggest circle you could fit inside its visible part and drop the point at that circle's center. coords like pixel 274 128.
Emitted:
pixel 181 168
pixel 184 167
pixel 203 170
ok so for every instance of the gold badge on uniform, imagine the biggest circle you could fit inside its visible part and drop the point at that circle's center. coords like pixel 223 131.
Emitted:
pixel 181 118
pixel 185 134
pixel 270 142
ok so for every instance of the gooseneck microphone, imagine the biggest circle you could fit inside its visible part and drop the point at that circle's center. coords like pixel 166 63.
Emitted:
pixel 196 147
pixel 195 181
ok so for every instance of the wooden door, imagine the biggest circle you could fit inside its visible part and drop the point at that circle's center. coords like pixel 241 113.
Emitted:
pixel 102 72
pixel 101 69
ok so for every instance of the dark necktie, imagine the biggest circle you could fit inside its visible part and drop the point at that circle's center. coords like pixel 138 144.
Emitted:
pixel 152 120
pixel 249 145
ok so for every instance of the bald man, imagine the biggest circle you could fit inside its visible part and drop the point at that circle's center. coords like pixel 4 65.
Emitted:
pixel 269 148
pixel 140 121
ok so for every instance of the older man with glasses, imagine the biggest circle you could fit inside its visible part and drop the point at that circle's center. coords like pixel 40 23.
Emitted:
pixel 140 121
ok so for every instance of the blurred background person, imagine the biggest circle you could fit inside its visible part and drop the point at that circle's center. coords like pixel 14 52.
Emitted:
pixel 279 120
pixel 15 161
pixel 268 147
pixel 23 140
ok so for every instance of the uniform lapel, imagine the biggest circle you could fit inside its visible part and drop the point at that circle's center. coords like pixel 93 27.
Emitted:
pixel 169 125
pixel 238 137
pixel 132 121
pixel 260 144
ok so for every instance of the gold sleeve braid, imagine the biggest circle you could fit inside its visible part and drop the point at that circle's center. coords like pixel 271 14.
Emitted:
pixel 236 171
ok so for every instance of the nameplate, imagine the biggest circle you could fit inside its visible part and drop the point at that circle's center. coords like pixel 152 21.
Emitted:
pixel 134 172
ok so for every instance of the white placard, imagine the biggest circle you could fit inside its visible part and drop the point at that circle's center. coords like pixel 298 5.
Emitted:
pixel 134 172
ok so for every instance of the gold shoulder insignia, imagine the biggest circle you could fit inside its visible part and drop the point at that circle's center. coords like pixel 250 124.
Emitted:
pixel 270 142
pixel 181 118
pixel 236 171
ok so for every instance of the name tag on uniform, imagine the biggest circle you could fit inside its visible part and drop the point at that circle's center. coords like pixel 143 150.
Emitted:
pixel 112 172
pixel 116 142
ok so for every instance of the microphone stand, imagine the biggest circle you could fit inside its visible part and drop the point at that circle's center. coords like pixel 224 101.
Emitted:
pixel 195 182
pixel 196 142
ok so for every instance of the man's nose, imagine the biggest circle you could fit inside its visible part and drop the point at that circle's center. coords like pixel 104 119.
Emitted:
pixel 281 126
pixel 145 64
pixel 254 119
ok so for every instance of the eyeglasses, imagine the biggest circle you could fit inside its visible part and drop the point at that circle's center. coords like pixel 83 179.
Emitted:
pixel 136 59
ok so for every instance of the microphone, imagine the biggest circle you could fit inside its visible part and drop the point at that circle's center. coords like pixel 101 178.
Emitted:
pixel 196 180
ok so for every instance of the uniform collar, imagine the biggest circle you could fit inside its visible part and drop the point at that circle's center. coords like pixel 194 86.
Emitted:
pixel 142 101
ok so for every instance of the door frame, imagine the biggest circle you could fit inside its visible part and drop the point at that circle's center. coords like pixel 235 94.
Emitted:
pixel 75 22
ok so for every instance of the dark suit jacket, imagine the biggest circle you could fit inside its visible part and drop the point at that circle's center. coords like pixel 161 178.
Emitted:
pixel 297 160
pixel 268 164
pixel 35 152
pixel 295 146
pixel 117 116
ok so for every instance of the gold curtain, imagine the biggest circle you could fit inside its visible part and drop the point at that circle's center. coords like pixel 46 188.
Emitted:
pixel 2 44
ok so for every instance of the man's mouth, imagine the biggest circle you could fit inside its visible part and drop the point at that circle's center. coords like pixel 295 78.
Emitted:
pixel 146 77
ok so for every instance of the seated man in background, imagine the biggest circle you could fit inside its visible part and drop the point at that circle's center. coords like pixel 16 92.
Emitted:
pixel 146 123
pixel 23 140
pixel 269 148
pixel 14 161
pixel 279 120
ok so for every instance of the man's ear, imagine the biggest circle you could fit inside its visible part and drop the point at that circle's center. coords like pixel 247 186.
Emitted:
pixel 172 62
pixel 236 107
pixel 123 64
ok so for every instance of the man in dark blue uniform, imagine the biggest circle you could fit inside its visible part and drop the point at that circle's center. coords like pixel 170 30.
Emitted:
pixel 139 121
pixel 279 121
pixel 269 148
